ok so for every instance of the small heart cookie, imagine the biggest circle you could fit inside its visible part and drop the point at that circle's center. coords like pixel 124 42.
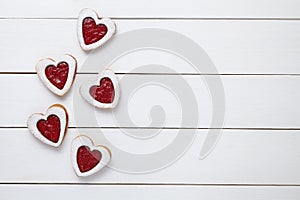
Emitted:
pixel 92 32
pixel 87 158
pixel 103 92
pixel 57 75
pixel 50 127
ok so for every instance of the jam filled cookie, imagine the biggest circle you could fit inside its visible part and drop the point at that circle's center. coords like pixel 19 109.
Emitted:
pixel 57 75
pixel 93 32
pixel 103 92
pixel 51 127
pixel 87 158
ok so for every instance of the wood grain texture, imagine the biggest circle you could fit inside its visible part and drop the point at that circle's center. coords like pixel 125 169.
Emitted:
pixel 240 157
pixel 235 47
pixel 136 192
pixel 250 101
pixel 155 8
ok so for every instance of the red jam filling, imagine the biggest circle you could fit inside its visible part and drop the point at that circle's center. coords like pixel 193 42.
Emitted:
pixel 87 159
pixel 105 92
pixel 50 128
pixel 58 75
pixel 91 31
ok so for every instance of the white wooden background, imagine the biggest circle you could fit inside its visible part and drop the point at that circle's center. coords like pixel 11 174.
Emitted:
pixel 255 45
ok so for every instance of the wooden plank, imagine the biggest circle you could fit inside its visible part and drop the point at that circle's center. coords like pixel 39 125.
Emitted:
pixel 240 157
pixel 48 192
pixel 250 101
pixel 155 8
pixel 235 47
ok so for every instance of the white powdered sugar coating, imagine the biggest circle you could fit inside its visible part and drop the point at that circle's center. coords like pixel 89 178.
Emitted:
pixel 86 141
pixel 111 29
pixel 57 110
pixel 85 90
pixel 44 63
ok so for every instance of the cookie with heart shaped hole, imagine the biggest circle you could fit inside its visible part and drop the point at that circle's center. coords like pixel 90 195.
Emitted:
pixel 103 92
pixel 51 127
pixel 87 159
pixel 92 31
pixel 57 74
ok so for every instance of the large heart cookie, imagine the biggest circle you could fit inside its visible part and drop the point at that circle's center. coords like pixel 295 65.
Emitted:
pixel 50 127
pixel 57 75
pixel 87 158
pixel 103 92
pixel 93 32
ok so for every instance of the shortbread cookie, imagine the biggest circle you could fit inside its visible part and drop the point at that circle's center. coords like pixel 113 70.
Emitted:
pixel 57 75
pixel 93 32
pixel 87 158
pixel 51 127
pixel 103 92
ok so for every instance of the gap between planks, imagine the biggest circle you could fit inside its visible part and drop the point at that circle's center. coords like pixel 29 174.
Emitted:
pixel 161 18
pixel 154 184
pixel 166 128
pixel 160 74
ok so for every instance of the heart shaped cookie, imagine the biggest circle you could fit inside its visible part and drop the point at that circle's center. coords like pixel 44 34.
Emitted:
pixel 87 158
pixel 57 75
pixel 103 92
pixel 92 32
pixel 50 127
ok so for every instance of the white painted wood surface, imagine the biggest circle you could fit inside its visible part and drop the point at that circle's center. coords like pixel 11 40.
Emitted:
pixel 154 8
pixel 260 38
pixel 235 47
pixel 241 157
pixel 251 101
pixel 136 192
